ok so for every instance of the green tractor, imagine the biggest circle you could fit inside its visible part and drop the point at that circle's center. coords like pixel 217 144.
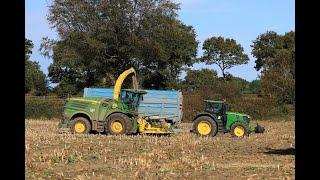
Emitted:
pixel 216 118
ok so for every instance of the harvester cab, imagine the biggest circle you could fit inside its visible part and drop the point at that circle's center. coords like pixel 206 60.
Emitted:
pixel 129 97
pixel 132 98
pixel 217 118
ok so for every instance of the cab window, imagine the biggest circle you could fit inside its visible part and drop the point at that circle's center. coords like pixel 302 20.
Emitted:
pixel 214 107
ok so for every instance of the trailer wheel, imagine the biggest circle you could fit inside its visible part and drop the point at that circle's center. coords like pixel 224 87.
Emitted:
pixel 239 130
pixel 205 126
pixel 117 124
pixel 80 125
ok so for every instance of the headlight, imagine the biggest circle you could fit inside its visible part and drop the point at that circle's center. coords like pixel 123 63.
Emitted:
pixel 247 119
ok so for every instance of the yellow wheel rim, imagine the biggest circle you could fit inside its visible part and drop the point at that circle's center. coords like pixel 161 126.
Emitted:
pixel 204 128
pixel 116 126
pixel 79 127
pixel 239 131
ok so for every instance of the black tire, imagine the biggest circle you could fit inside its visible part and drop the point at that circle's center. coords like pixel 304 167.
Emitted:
pixel 238 124
pixel 205 119
pixel 81 120
pixel 123 119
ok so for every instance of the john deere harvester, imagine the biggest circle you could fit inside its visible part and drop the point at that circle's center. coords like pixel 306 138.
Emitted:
pixel 118 115
pixel 216 118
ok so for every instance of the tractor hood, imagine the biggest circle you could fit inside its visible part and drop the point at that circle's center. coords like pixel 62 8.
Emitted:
pixel 87 99
pixel 237 114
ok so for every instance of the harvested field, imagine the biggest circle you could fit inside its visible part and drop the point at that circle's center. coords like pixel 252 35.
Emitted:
pixel 50 155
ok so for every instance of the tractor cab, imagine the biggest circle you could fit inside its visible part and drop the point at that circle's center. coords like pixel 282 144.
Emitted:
pixel 219 108
pixel 132 98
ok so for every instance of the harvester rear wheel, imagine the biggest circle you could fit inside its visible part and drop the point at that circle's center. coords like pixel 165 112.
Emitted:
pixel 80 125
pixel 239 130
pixel 118 123
pixel 205 126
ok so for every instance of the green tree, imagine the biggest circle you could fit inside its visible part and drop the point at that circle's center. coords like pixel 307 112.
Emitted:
pixel 35 79
pixel 28 48
pixel 241 83
pixel 196 79
pixel 225 53
pixel 255 86
pixel 100 39
pixel 278 66
pixel 209 86
pixel 264 48
pixel 65 90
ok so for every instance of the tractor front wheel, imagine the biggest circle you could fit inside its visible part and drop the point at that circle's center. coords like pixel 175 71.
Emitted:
pixel 118 123
pixel 205 126
pixel 239 130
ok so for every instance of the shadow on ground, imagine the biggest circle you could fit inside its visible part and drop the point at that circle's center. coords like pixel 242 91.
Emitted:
pixel 287 151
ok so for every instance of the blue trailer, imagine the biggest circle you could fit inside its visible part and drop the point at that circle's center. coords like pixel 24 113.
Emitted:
pixel 157 103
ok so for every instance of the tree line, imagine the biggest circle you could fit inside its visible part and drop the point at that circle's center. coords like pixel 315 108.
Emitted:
pixel 100 39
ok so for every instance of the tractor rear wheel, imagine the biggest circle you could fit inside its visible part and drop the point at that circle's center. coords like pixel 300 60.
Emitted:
pixel 118 123
pixel 205 126
pixel 239 130
pixel 81 125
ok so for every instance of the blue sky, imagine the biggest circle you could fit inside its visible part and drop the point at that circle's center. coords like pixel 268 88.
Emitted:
pixel 242 20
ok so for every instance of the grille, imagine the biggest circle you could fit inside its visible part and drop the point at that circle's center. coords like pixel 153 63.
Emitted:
pixel 81 105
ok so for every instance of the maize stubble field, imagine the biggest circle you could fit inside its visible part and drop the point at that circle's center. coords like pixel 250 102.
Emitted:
pixel 52 155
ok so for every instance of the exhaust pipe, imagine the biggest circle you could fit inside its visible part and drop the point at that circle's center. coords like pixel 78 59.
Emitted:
pixel 259 129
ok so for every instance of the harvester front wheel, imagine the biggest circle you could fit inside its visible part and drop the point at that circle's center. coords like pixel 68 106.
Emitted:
pixel 118 123
pixel 81 125
pixel 205 126
pixel 238 130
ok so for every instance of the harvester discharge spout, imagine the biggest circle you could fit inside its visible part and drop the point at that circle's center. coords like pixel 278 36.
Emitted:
pixel 122 77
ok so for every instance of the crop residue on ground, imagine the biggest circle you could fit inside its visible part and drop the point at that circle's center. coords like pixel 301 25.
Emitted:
pixel 51 155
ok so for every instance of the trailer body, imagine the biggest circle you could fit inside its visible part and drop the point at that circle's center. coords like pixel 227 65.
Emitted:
pixel 156 103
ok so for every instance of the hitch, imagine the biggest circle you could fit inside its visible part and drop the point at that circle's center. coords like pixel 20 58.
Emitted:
pixel 259 129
